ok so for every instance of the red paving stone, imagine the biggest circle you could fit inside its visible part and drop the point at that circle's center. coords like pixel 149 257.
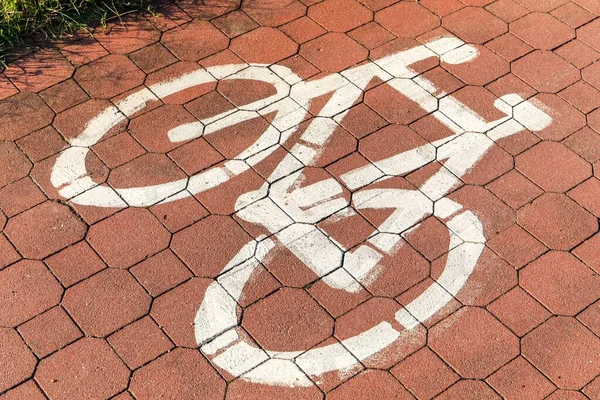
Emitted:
pixel 107 301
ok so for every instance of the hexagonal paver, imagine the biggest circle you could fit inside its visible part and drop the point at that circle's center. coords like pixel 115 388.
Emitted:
pixel 590 74
pixel 589 252
pixel 13 163
pixel 553 166
pixel 545 71
pixel 241 389
pixel 566 119
pixel 588 195
pixel 68 122
pixel 557 221
pixel 507 10
pixel 469 389
pixel 176 310
pixel 407 19
pixel 274 12
pixel 197 40
pixel 371 385
pixel 109 76
pixel 106 302
pixel 591 317
pixel 369 315
pixel 475 25
pixel 532 313
pixel 388 141
pixel 424 373
pixel 303 29
pixel 287 320
pixel 128 237
pixel 12 110
pixel 39 70
pixel 333 52
pixel 590 34
pixel 487 67
pixel 565 351
pixel 578 14
pixel 514 189
pixel 516 246
pixel 208 245
pixel 140 342
pixel 542 31
pixel 49 331
pixel 340 15
pixel 235 23
pixel 542 6
pixel 16 360
pixel 561 282
pixel 394 107
pixel 263 45
pixel 28 390
pixel 473 342
pixel 520 380
pixel 44 229
pixel 87 369
pixel 127 35
pixel 582 95
pixel 180 374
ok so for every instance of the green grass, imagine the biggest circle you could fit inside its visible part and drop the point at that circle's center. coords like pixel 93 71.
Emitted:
pixel 20 19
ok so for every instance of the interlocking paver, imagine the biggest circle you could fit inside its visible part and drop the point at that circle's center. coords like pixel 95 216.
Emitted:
pixel 578 53
pixel 14 164
pixel 64 95
pixel 532 315
pixel 49 331
pixel 106 302
pixel 44 229
pixel 328 15
pixel 475 25
pixel 469 390
pixel 553 167
pixel 267 45
pixel 424 373
pixel 407 19
pixel 545 71
pixel 87 363
pixel 573 15
pixel 181 373
pixel 262 11
pixel 475 355
pixel 27 390
pixel 557 221
pixel 520 380
pixel 566 290
pixel 368 384
pixel 383 239
pixel 109 76
pixel 182 41
pixel 333 52
pixel 542 31
pixel 140 342
pixel 39 70
pixel 15 107
pixel 139 235
pixel 568 363
pixel 18 363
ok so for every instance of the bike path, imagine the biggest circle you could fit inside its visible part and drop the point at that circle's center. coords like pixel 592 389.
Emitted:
pixel 298 199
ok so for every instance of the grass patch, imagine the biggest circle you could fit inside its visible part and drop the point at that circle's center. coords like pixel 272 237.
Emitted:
pixel 22 18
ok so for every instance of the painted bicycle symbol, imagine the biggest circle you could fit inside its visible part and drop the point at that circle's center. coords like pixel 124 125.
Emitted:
pixel 290 212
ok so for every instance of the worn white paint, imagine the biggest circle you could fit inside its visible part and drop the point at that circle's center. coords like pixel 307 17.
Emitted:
pixel 289 211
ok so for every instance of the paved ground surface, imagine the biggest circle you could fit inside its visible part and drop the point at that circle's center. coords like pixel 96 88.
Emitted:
pixel 101 289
